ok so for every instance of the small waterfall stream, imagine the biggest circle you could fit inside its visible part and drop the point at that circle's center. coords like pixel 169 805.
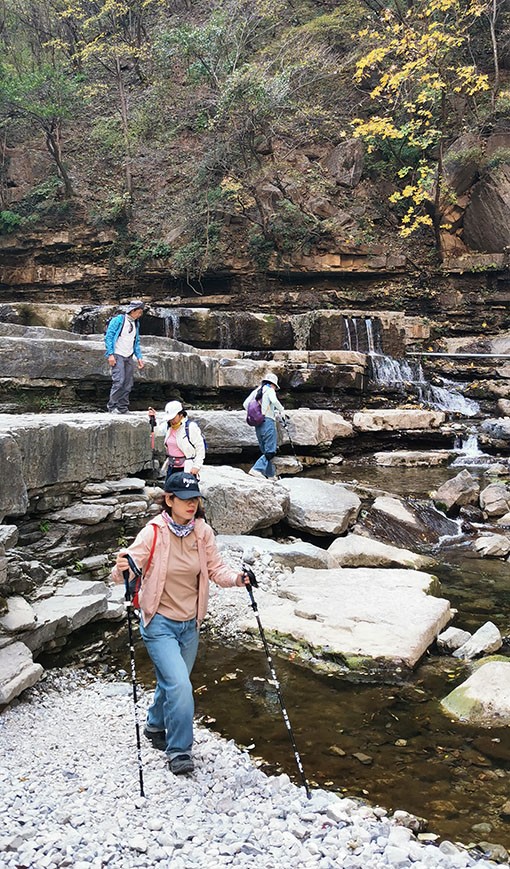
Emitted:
pixel 402 373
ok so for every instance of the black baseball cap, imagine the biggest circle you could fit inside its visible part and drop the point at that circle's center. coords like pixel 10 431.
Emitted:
pixel 183 486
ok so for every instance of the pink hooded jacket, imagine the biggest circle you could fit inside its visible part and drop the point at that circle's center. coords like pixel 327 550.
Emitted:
pixel 211 565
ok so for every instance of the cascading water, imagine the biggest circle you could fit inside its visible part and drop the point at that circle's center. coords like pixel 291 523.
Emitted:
pixel 403 374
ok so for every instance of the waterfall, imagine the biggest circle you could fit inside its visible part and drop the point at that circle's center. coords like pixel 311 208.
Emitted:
pixel 469 446
pixel 449 399
pixel 470 453
pixel 347 340
pixel 173 319
pixel 402 373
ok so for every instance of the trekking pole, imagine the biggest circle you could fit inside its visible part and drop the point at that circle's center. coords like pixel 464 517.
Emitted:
pixel 129 607
pixel 249 588
pixel 152 423
pixel 285 424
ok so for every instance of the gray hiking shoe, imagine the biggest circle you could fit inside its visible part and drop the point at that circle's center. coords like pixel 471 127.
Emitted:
pixel 180 764
pixel 156 737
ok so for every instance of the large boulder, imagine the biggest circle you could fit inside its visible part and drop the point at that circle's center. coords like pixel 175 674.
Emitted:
pixel 320 508
pixel 44 449
pixel 496 432
pixel 458 492
pixel 412 458
pixel 357 619
pixel 239 504
pixel 495 500
pixel 353 550
pixel 492 545
pixel 483 700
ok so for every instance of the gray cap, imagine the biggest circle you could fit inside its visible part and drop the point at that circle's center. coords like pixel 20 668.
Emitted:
pixel 133 306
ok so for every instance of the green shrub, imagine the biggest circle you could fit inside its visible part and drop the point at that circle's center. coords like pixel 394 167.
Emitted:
pixel 9 222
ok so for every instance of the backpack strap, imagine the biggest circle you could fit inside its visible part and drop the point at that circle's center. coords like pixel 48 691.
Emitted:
pixel 151 553
pixel 186 431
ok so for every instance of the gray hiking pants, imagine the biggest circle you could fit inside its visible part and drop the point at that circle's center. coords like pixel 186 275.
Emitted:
pixel 123 375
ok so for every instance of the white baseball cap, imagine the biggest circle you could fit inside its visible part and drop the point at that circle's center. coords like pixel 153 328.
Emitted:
pixel 172 409
pixel 271 378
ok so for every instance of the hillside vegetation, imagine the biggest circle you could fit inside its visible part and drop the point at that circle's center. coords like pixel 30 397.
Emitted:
pixel 247 132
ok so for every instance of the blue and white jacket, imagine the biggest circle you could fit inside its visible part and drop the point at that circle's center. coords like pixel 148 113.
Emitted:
pixel 113 331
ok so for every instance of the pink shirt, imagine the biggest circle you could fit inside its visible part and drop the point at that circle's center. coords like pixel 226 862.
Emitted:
pixel 172 449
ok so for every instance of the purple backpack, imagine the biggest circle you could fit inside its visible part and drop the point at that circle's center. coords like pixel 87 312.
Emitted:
pixel 254 415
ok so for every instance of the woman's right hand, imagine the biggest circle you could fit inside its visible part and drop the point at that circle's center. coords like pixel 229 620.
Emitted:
pixel 121 562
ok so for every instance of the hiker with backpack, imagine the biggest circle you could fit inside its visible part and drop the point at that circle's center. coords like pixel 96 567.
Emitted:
pixel 261 407
pixel 184 443
pixel 177 555
pixel 122 343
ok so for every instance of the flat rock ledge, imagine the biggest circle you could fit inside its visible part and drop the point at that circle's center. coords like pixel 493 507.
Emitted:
pixel 355 621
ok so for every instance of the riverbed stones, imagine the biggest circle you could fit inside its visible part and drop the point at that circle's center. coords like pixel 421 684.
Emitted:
pixel 17 671
pixel 295 554
pixel 492 545
pixel 394 419
pixel 483 699
pixel 457 492
pixel 356 618
pixel 355 550
pixel 319 507
pixel 484 641
pixel 495 500
pixel 413 458
pixel 452 639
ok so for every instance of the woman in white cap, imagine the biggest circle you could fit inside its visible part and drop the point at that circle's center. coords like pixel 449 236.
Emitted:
pixel 266 433
pixel 184 443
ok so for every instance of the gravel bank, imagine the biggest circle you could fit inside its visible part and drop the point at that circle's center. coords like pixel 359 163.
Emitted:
pixel 69 797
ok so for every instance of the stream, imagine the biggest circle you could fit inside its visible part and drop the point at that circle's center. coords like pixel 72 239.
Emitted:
pixel 388 744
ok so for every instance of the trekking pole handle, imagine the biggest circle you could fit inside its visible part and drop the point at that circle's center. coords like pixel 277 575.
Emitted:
pixel 125 573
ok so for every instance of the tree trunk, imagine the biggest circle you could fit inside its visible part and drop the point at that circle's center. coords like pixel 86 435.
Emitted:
pixel 53 145
pixel 124 114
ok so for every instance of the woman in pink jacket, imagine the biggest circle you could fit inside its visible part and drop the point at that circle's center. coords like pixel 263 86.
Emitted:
pixel 178 555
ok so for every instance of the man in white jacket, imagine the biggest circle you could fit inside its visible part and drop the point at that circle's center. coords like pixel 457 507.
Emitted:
pixel 184 443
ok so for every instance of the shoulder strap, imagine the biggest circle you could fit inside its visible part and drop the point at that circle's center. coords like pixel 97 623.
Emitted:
pixel 186 431
pixel 151 553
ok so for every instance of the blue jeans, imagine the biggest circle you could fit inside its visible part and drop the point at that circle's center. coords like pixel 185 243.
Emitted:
pixel 123 376
pixel 172 647
pixel 268 443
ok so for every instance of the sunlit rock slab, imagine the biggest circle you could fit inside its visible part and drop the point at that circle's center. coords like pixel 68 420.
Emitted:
pixel 357 619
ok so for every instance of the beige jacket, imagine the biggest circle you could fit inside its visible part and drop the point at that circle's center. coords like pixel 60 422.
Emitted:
pixel 211 565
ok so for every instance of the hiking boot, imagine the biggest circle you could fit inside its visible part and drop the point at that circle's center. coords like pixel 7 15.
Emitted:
pixel 254 473
pixel 156 737
pixel 180 764
pixel 114 410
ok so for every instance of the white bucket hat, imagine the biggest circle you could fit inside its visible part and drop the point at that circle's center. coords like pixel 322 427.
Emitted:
pixel 271 378
pixel 172 409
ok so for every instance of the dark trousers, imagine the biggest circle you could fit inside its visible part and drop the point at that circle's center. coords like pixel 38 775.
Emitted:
pixel 123 375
